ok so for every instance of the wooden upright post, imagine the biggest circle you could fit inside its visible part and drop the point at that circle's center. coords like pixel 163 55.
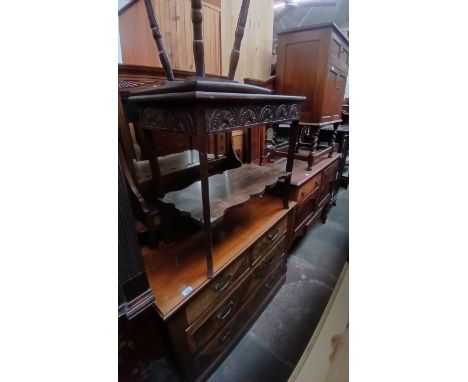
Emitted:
pixel 238 39
pixel 293 130
pixel 158 39
pixel 205 190
pixel 198 50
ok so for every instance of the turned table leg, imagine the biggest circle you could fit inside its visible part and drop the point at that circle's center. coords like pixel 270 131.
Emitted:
pixel 205 194
pixel 333 139
pixel 293 132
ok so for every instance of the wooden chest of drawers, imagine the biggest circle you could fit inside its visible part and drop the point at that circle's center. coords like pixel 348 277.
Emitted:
pixel 313 191
pixel 250 266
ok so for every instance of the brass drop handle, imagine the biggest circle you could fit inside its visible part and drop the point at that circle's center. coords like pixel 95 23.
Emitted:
pixel 224 313
pixel 226 336
pixel 222 284
pixel 272 234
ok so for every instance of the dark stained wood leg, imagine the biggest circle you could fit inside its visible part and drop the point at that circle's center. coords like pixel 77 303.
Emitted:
pixel 310 161
pixel 293 132
pixel 324 216
pixel 248 149
pixel 154 163
pixel 299 138
pixel 216 146
pixel 167 220
pixel 315 138
pixel 333 139
pixel 205 194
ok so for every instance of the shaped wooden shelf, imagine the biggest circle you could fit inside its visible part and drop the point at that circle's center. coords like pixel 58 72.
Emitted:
pixel 231 188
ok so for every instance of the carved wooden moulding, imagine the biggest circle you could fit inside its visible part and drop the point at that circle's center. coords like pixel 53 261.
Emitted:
pixel 173 119
pixel 234 117
pixel 218 119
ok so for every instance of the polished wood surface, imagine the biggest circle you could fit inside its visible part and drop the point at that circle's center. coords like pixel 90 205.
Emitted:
pixel 230 334
pixel 231 188
pixel 175 266
pixel 221 284
pixel 313 61
pixel 313 190
pixel 217 277
pixel 233 309
pixel 300 174
pixel 209 325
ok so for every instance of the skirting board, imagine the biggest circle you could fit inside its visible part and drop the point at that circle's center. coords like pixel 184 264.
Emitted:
pixel 315 361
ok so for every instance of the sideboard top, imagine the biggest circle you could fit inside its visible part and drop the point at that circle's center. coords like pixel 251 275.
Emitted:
pixel 316 26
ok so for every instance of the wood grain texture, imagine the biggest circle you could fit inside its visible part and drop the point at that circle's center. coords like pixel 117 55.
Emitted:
pixel 231 188
pixel 238 38
pixel 157 36
pixel 313 61
pixel 241 228
pixel 175 24
pixel 198 44
pixel 256 50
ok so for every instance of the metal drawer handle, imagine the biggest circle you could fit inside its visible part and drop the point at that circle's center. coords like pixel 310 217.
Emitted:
pixel 272 236
pixel 222 284
pixel 271 260
pixel 226 336
pixel 223 314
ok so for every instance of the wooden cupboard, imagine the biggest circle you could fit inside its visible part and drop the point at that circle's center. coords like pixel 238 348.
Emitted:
pixel 313 61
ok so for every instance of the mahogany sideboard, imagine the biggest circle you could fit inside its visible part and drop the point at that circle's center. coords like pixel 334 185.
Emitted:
pixel 313 190
pixel 203 317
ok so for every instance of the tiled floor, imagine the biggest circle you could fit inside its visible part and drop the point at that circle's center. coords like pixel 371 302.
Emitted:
pixel 274 344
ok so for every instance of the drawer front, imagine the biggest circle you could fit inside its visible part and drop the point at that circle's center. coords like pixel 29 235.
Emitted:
pixel 329 173
pixel 312 185
pixel 222 341
pixel 217 288
pixel 304 211
pixel 200 334
pixel 271 237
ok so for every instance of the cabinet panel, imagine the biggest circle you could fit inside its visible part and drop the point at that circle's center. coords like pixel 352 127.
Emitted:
pixel 313 61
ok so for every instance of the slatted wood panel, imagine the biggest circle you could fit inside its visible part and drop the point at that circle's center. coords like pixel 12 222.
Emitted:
pixel 174 17
pixel 256 48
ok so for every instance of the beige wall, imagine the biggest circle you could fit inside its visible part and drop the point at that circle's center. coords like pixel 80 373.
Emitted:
pixel 255 52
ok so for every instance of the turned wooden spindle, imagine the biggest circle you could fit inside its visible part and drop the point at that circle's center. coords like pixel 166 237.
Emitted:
pixel 238 39
pixel 198 53
pixel 159 42
pixel 333 139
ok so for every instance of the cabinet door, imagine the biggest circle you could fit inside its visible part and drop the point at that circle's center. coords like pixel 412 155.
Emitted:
pixel 334 93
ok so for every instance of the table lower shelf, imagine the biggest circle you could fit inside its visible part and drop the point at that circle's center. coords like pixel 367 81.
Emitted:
pixel 231 188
